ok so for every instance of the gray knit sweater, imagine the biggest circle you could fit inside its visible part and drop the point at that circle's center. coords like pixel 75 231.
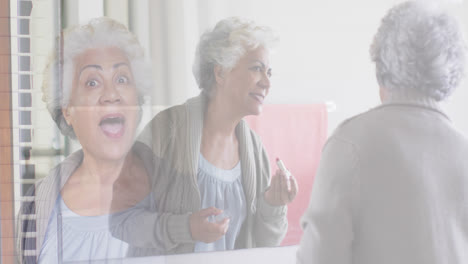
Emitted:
pixel 391 188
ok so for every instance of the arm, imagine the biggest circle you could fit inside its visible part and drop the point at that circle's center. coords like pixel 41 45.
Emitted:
pixel 154 225
pixel 146 228
pixel 328 221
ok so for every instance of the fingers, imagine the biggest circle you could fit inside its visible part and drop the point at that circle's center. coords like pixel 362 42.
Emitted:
pixel 291 189
pixel 277 186
pixel 215 231
pixel 286 188
pixel 284 192
pixel 209 211
pixel 224 222
pixel 277 193
pixel 221 227
pixel 286 178
pixel 288 183
pixel 203 230
pixel 294 189
pixel 225 225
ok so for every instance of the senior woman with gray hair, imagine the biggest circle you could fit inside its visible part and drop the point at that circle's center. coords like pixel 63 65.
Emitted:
pixel 392 183
pixel 219 194
pixel 105 79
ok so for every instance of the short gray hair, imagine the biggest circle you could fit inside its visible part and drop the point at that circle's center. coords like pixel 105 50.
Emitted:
pixel 229 40
pixel 99 32
pixel 419 51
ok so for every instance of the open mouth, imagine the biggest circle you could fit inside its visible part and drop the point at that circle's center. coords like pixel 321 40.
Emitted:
pixel 113 125
pixel 259 97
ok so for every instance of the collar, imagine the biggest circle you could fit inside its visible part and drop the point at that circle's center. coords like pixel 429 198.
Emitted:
pixel 414 101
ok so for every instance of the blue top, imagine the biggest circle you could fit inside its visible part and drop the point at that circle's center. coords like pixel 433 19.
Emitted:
pixel 223 190
pixel 83 238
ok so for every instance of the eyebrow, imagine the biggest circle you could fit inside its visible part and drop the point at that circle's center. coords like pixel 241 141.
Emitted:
pixel 117 65
pixel 269 70
pixel 90 66
pixel 263 64
pixel 120 64
pixel 259 61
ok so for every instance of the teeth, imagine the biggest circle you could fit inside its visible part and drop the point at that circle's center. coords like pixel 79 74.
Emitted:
pixel 113 125
pixel 111 120
pixel 259 97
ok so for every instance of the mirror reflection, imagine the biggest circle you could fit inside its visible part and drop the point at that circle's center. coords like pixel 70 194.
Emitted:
pixel 173 127
pixel 194 177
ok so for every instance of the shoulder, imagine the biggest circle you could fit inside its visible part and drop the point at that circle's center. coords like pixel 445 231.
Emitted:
pixel 65 168
pixel 361 126
pixel 177 116
pixel 163 126
pixel 172 115
pixel 167 131
pixel 348 139
pixel 58 176
pixel 252 137
pixel 355 121
pixel 61 172
pixel 179 113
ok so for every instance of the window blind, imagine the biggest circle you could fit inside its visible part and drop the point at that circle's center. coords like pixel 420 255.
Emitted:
pixel 35 142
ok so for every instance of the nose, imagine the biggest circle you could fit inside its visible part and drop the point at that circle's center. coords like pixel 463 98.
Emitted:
pixel 110 94
pixel 264 81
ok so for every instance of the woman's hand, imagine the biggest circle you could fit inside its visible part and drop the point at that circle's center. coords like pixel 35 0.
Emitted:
pixel 205 231
pixel 281 190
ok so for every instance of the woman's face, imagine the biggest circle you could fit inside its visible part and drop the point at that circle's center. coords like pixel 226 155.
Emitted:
pixel 248 83
pixel 103 108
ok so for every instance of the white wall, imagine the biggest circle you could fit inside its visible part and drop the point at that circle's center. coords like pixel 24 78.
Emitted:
pixel 324 51
pixel 457 106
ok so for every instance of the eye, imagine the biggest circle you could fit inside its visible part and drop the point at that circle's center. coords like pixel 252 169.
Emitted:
pixel 256 68
pixel 269 73
pixel 122 79
pixel 92 83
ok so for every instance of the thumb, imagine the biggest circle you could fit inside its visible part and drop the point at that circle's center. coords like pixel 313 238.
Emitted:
pixel 209 211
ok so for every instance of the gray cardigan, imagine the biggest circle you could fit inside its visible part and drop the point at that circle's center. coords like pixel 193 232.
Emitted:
pixel 391 188
pixel 175 136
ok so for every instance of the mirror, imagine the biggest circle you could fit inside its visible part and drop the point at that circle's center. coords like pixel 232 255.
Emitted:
pixel 313 79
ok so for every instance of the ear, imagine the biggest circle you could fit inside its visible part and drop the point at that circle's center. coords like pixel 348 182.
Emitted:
pixel 382 94
pixel 66 111
pixel 219 74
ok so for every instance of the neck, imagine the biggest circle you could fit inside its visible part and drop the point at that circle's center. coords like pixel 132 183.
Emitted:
pixel 220 118
pixel 412 98
pixel 104 172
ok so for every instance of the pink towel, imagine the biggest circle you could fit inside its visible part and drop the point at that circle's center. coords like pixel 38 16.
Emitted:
pixel 296 135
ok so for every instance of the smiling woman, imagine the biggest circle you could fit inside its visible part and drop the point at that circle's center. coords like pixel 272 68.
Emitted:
pixel 219 194
pixel 248 83
pixel 98 103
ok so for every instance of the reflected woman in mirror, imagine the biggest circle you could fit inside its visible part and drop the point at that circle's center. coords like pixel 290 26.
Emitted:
pixel 220 194
pixel 98 103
